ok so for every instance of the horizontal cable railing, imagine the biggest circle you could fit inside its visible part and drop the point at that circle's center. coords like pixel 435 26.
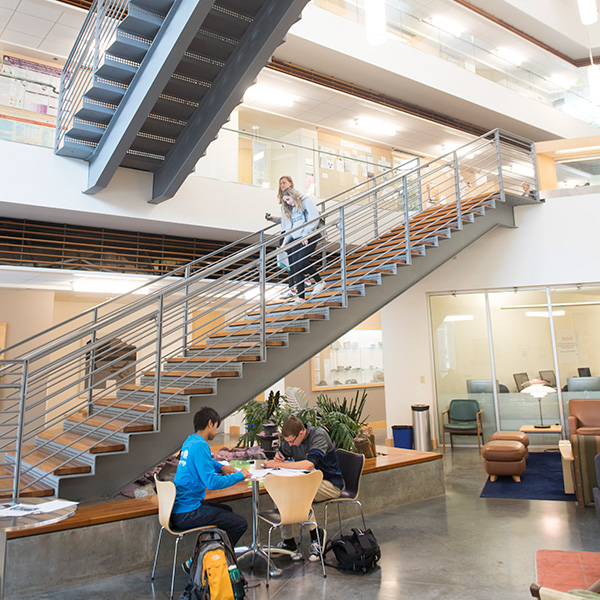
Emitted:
pixel 82 386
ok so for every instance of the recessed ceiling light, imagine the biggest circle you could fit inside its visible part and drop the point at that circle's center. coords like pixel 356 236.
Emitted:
pixel 588 11
pixel 268 95
pixel 375 22
pixel 375 126
pixel 562 81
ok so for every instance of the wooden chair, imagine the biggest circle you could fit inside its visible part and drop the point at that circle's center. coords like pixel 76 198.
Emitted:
pixel 351 465
pixel 293 497
pixel 464 418
pixel 166 491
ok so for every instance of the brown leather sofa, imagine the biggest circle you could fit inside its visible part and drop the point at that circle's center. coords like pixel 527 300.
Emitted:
pixel 584 416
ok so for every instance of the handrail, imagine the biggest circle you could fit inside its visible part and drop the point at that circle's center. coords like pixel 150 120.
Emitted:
pixel 120 363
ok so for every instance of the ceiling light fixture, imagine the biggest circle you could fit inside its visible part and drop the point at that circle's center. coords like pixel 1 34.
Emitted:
pixel 509 56
pixel 375 126
pixel 451 27
pixel 375 22
pixel 268 95
pixel 451 318
pixel 588 11
pixel 109 285
pixel 544 313
pixel 593 73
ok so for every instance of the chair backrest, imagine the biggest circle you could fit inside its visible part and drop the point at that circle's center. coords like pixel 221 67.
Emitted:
pixel 294 495
pixel 586 410
pixel 463 410
pixel 597 461
pixel 166 491
pixel 351 465
pixel 520 379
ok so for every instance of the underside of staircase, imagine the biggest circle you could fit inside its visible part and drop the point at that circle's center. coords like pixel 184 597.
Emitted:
pixel 172 72
pixel 226 374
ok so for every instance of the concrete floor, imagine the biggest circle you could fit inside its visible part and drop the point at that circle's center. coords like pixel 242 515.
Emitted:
pixel 455 547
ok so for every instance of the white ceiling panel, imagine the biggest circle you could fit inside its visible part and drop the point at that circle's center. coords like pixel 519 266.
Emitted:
pixel 29 24
pixel 20 39
pixel 43 10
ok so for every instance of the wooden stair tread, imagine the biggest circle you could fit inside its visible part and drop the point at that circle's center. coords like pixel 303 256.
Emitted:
pixel 31 490
pixel 86 443
pixel 167 390
pixel 54 464
pixel 244 332
pixel 233 344
pixel 107 422
pixel 135 405
pixel 217 359
pixel 277 319
pixel 198 374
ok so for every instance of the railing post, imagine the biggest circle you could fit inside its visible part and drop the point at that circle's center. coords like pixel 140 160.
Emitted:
pixel 92 363
pixel 262 281
pixel 343 273
pixel 406 219
pixel 499 160
pixel 535 172
pixel 20 427
pixel 186 311
pixel 158 362
pixel 459 222
pixel 99 15
pixel 375 213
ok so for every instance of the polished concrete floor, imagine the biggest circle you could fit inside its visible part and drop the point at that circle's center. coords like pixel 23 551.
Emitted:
pixel 459 547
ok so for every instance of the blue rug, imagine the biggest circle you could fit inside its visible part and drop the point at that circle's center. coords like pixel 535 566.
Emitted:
pixel 542 480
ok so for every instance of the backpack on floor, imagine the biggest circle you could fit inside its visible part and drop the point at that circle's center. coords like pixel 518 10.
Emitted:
pixel 357 552
pixel 214 573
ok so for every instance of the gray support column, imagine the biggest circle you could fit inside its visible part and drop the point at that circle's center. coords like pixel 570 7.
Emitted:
pixel 561 409
pixel 492 361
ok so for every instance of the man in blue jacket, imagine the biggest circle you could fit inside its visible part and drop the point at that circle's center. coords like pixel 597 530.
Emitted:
pixel 198 471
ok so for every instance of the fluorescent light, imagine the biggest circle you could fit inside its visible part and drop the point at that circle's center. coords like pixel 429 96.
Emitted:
pixel 451 27
pixel 108 285
pixel 525 170
pixel 450 318
pixel 562 81
pixel 268 95
pixel 544 313
pixel 375 126
pixel 375 22
pixel 509 56
pixel 588 11
pixel 593 73
pixel 582 149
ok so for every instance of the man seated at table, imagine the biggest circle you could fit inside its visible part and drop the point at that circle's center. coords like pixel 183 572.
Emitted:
pixel 197 471
pixel 308 448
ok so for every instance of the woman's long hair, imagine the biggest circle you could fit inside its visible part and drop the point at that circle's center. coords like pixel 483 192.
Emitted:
pixel 279 192
pixel 297 197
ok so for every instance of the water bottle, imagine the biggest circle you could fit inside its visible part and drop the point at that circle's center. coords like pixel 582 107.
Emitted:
pixel 237 583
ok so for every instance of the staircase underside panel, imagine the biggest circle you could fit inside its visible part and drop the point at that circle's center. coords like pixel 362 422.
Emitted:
pixel 113 472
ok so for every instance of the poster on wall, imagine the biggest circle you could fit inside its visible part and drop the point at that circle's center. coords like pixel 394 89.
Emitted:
pixel 28 85
pixel 567 346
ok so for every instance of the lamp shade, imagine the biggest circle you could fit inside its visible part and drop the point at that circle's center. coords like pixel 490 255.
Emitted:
pixel 538 388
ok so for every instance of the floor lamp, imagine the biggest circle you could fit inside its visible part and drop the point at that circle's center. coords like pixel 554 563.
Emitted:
pixel 538 388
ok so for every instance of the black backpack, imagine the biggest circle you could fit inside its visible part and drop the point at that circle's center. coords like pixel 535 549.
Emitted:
pixel 214 573
pixel 357 552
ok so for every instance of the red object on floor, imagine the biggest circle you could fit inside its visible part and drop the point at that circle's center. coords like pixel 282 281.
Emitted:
pixel 565 570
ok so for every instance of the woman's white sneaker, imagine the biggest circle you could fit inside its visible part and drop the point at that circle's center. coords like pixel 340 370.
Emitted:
pixel 318 288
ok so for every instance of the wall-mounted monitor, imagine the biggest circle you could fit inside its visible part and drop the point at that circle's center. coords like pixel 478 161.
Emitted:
pixel 583 384
pixel 520 379
pixel 549 377
pixel 584 372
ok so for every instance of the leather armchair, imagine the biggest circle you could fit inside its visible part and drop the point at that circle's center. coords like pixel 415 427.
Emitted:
pixel 584 417
pixel 585 449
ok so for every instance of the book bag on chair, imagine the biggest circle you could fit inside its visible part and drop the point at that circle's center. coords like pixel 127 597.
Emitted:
pixel 357 552
pixel 214 573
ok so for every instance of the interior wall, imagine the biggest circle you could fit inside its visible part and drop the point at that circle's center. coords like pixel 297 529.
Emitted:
pixel 553 243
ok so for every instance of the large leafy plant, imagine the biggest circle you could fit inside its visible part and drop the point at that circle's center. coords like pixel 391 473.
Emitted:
pixel 257 413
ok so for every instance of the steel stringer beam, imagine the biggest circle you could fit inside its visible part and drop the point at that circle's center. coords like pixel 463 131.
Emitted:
pixel 251 55
pixel 174 37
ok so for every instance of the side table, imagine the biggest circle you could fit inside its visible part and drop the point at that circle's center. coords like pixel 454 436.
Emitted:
pixel 28 522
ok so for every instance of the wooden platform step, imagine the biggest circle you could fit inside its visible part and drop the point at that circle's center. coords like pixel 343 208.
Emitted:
pixel 248 322
pixel 216 359
pixel 137 406
pixel 85 443
pixel 110 423
pixel 233 344
pixel 196 374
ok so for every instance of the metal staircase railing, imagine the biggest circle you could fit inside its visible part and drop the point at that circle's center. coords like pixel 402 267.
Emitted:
pixel 84 385
pixel 96 35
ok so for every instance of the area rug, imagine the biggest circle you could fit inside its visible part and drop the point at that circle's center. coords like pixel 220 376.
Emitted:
pixel 542 480
pixel 565 570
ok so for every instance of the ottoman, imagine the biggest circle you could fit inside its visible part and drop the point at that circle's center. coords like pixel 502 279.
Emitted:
pixel 504 457
pixel 515 436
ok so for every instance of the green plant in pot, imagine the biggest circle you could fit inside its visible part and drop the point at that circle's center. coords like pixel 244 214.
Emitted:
pixel 257 413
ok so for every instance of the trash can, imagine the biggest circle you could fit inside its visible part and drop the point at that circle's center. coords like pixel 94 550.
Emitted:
pixel 403 436
pixel 421 427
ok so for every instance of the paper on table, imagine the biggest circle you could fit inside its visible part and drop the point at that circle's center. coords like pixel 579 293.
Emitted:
pixel 55 505
pixel 261 473
pixel 20 510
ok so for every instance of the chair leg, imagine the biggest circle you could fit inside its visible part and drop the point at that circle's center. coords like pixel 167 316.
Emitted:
pixel 269 556
pixel 362 515
pixel 156 553
pixel 322 550
pixel 339 519
pixel 174 563
pixel 325 525
pixel 444 441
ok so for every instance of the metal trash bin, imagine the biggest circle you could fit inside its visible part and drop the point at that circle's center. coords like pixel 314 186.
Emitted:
pixel 421 427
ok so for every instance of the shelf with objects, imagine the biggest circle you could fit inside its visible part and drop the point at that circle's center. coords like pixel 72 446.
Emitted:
pixel 354 360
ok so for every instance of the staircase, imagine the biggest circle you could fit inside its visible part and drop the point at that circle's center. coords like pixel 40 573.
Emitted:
pixel 91 404
pixel 149 83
